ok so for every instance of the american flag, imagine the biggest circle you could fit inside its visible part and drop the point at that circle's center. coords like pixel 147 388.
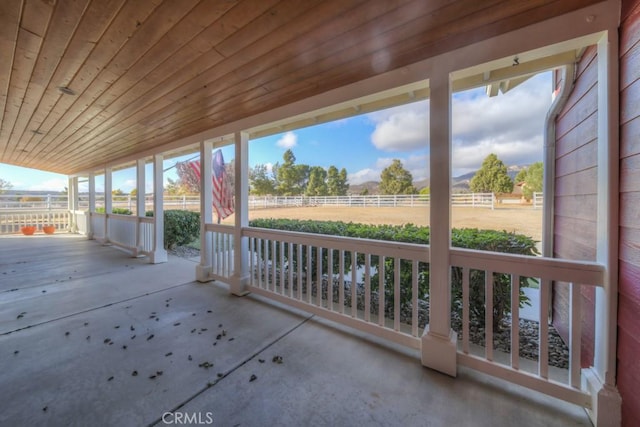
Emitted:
pixel 221 188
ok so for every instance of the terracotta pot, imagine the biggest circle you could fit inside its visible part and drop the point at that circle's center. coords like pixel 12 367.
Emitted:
pixel 49 229
pixel 28 230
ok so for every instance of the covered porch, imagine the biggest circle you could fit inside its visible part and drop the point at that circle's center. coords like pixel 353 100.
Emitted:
pixel 90 336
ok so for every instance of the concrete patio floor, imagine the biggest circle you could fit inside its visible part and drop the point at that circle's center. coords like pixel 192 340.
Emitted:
pixel 89 336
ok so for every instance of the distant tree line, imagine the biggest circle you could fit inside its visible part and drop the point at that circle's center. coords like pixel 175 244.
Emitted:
pixel 291 179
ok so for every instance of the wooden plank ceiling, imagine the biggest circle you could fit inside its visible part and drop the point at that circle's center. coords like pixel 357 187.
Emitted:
pixel 140 74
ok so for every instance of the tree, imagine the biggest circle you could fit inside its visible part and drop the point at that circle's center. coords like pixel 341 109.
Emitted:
pixel 337 181
pixel 187 182
pixel 492 177
pixel 395 179
pixel 291 177
pixel 5 185
pixel 317 185
pixel 133 192
pixel 532 179
pixel 260 181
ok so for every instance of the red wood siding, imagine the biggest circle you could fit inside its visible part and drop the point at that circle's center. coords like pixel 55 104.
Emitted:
pixel 576 195
pixel 628 374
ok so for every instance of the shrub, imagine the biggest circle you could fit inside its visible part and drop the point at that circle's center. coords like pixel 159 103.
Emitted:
pixel 117 211
pixel 486 240
pixel 180 227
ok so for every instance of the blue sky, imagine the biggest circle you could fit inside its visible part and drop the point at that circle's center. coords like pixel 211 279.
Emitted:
pixel 509 125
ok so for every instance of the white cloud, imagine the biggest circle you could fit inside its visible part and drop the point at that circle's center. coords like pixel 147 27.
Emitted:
pixel 288 140
pixel 53 184
pixel 403 128
pixel 509 125
pixel 363 175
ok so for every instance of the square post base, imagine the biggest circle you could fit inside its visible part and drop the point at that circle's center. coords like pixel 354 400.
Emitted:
pixel 606 402
pixel 158 256
pixel 203 273
pixel 440 353
pixel 238 286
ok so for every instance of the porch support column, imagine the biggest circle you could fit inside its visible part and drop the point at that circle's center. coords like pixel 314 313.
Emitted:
pixel 158 253
pixel 140 207
pixel 203 270
pixel 600 379
pixel 73 204
pixel 92 204
pixel 108 205
pixel 240 255
pixel 439 340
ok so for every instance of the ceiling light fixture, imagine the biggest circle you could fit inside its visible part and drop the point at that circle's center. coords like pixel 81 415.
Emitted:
pixel 66 90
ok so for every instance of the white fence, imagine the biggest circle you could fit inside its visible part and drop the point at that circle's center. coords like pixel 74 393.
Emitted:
pixel 57 202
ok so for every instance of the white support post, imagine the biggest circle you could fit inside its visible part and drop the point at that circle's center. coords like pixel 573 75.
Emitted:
pixel 75 201
pixel 108 205
pixel 140 208
pixel 203 270
pixel 439 342
pixel 600 380
pixel 92 204
pixel 241 246
pixel 72 204
pixel 158 253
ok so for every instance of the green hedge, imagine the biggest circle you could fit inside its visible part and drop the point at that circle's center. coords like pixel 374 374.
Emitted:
pixel 180 227
pixel 486 240
pixel 117 211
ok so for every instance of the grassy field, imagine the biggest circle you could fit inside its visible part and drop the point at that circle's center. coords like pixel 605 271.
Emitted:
pixel 523 220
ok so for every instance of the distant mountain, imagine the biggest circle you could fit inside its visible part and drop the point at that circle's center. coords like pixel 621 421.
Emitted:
pixel 372 187
pixel 458 183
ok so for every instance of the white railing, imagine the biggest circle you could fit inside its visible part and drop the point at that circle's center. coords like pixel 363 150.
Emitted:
pixel 81 221
pixel 98 222
pixel 335 277
pixel 12 220
pixel 134 233
pixel 221 246
pixel 382 288
pixel 513 268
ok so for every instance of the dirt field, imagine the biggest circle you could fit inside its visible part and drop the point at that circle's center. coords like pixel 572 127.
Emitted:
pixel 524 220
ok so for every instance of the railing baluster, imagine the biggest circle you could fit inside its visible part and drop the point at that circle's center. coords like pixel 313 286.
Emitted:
pixel 290 268
pixel 266 263
pixel 281 268
pixel 367 287
pixel 341 281
pixel 309 274
pixel 381 292
pixel 230 249
pixel 543 337
pixel 274 265
pixel 251 261
pixel 414 298
pixel 319 276
pixel 396 293
pixel 515 321
pixel 354 284
pixel 329 279
pixel 299 278
pixel 488 314
pixel 465 310
pixel 575 334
